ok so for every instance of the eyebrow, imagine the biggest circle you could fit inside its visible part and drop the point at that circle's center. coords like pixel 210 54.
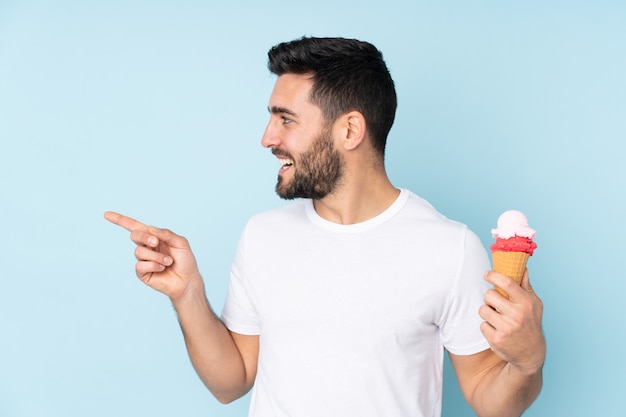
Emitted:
pixel 278 110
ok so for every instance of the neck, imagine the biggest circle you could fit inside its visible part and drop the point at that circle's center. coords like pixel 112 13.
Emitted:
pixel 357 200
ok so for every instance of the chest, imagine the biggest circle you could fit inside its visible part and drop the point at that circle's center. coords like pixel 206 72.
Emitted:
pixel 371 284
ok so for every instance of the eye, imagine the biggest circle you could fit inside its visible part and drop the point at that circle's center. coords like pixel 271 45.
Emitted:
pixel 286 120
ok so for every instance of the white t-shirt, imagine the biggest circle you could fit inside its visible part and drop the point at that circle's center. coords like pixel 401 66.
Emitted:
pixel 353 319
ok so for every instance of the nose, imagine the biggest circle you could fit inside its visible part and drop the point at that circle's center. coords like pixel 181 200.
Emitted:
pixel 270 137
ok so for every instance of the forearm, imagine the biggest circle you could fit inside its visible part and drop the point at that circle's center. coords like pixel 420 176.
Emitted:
pixel 166 263
pixel 505 391
pixel 211 348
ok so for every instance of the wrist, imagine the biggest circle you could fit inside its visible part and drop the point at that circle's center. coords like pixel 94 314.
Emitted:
pixel 528 370
pixel 192 297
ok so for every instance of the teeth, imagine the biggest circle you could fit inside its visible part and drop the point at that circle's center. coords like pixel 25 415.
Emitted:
pixel 285 162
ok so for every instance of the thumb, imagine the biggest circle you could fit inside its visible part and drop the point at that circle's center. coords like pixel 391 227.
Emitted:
pixel 525 282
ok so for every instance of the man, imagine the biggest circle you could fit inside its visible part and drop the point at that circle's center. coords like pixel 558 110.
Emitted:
pixel 342 303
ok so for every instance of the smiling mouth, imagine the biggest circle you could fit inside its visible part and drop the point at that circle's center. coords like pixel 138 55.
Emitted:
pixel 285 163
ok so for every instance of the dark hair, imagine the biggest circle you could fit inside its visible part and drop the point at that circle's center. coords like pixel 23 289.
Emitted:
pixel 347 75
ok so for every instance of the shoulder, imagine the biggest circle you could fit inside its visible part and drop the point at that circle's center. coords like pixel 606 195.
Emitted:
pixel 420 212
pixel 424 223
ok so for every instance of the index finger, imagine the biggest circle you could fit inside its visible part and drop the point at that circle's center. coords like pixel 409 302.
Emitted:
pixel 498 278
pixel 505 284
pixel 124 221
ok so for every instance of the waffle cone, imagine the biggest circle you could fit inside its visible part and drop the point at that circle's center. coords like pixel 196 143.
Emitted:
pixel 511 264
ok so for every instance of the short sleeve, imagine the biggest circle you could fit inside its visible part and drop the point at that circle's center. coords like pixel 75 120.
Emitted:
pixel 460 328
pixel 239 314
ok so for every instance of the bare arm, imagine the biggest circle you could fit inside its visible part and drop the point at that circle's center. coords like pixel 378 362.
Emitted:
pixel 226 362
pixel 504 380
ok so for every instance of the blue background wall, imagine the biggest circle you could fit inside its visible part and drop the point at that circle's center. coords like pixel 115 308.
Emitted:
pixel 156 109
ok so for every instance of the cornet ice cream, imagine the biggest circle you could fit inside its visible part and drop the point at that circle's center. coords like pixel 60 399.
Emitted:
pixel 513 246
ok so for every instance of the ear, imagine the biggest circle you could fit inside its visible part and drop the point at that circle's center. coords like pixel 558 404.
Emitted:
pixel 354 130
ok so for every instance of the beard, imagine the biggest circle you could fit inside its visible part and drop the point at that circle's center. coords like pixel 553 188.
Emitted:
pixel 318 172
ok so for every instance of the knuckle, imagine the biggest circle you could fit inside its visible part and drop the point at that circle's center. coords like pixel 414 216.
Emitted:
pixel 503 334
pixel 490 295
pixel 517 320
pixel 135 235
pixel 539 305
